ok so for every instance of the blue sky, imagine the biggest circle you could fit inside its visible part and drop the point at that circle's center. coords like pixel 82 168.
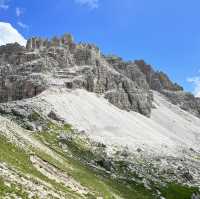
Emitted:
pixel 165 34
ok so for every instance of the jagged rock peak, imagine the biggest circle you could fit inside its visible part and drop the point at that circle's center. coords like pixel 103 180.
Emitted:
pixel 38 43
pixel 83 45
pixel 157 80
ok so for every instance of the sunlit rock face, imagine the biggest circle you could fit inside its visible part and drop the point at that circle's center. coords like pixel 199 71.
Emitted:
pixel 28 71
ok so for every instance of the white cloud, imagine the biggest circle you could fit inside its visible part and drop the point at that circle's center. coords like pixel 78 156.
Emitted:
pixel 8 34
pixel 19 11
pixel 91 3
pixel 4 4
pixel 22 25
pixel 196 82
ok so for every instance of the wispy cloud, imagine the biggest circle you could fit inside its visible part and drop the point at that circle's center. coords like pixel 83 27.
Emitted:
pixel 4 4
pixel 196 82
pixel 90 3
pixel 19 11
pixel 22 25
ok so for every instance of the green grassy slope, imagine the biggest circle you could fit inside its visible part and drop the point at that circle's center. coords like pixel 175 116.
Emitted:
pixel 98 182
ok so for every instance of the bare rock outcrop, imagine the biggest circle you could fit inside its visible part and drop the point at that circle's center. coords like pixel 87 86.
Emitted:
pixel 157 80
pixel 185 100
pixel 26 72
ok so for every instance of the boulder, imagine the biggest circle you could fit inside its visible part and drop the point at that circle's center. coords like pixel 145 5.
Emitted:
pixel 55 117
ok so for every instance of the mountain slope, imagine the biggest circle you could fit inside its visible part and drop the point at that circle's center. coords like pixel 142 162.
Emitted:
pixel 37 168
pixel 106 123
pixel 78 124
pixel 37 171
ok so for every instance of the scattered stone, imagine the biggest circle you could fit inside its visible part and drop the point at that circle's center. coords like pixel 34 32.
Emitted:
pixel 65 138
pixel 187 176
pixel 106 164
pixel 139 150
pixel 55 117
pixel 195 196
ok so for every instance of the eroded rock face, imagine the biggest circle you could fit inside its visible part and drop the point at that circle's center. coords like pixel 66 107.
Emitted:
pixel 26 72
pixel 185 100
pixel 157 80
pixel 130 70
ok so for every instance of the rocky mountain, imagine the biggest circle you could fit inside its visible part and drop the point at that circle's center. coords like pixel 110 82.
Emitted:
pixel 76 123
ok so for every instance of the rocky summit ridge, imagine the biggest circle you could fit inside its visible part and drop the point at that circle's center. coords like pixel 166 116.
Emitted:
pixel 26 72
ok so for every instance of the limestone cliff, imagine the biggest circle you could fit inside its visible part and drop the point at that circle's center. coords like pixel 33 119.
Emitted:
pixel 26 72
